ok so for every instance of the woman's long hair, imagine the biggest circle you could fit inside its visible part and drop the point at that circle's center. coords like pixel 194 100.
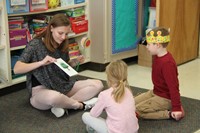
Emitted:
pixel 57 21
pixel 117 78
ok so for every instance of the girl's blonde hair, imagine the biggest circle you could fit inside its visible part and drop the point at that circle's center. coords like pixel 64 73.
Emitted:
pixel 117 78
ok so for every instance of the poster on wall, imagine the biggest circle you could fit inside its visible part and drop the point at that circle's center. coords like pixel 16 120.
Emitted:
pixel 124 25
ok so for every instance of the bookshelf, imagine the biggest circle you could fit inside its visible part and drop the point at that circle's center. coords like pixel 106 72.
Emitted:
pixel 6 52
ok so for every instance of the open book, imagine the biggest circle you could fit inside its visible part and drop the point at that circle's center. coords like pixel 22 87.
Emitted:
pixel 65 67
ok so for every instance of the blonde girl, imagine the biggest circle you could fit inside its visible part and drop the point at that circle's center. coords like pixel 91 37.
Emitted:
pixel 118 103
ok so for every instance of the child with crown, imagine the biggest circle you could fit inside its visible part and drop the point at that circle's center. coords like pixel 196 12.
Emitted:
pixel 163 101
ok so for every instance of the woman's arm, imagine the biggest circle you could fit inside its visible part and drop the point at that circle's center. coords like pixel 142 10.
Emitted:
pixel 21 67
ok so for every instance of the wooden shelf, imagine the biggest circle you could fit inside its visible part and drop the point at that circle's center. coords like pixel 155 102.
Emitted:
pixel 14 81
pixel 3 82
pixel 3 85
pixel 22 47
pixel 49 10
pixel 2 47
pixel 19 80
pixel 76 35
pixel 17 48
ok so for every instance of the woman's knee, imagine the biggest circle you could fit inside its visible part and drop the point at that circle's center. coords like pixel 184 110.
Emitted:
pixel 98 84
pixel 32 101
pixel 55 98
pixel 39 104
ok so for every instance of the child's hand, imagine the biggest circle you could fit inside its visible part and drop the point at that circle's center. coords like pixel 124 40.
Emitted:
pixel 177 115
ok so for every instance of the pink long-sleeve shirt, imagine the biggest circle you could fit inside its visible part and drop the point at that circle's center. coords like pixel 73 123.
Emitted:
pixel 121 116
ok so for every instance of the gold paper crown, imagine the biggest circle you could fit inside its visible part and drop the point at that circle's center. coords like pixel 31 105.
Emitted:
pixel 157 39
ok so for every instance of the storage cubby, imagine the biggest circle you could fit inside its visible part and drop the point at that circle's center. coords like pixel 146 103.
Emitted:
pixel 4 47
pixel 17 29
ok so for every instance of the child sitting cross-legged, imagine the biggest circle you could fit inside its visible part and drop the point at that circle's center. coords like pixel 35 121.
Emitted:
pixel 118 103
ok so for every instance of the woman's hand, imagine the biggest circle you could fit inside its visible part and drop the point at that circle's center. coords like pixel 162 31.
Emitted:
pixel 76 61
pixel 47 60
pixel 80 59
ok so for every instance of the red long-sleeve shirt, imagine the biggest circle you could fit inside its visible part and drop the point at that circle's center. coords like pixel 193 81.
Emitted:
pixel 165 79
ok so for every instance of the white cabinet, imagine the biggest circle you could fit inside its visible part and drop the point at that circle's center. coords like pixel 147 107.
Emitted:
pixel 101 35
pixel 4 48
pixel 6 51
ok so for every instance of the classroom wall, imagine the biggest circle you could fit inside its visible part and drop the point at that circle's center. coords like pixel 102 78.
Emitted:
pixel 100 21
pixel 199 42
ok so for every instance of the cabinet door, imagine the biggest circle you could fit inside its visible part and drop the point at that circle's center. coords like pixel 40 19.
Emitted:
pixel 182 17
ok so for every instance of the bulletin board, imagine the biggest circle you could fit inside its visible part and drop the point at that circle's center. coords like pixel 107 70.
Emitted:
pixel 124 25
pixel 145 15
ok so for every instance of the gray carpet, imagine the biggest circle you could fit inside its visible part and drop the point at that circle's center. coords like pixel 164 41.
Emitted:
pixel 17 116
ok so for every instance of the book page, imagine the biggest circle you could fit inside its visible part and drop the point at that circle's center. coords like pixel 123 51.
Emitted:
pixel 65 67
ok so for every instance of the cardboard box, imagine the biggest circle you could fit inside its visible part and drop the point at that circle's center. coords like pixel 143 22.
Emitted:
pixel 80 26
pixel 144 57
pixel 78 1
pixel 76 12
pixel 16 6
pixel 38 5
pixel 66 2
pixel 17 37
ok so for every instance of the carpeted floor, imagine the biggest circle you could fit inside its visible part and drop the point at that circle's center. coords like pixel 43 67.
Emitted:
pixel 17 116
